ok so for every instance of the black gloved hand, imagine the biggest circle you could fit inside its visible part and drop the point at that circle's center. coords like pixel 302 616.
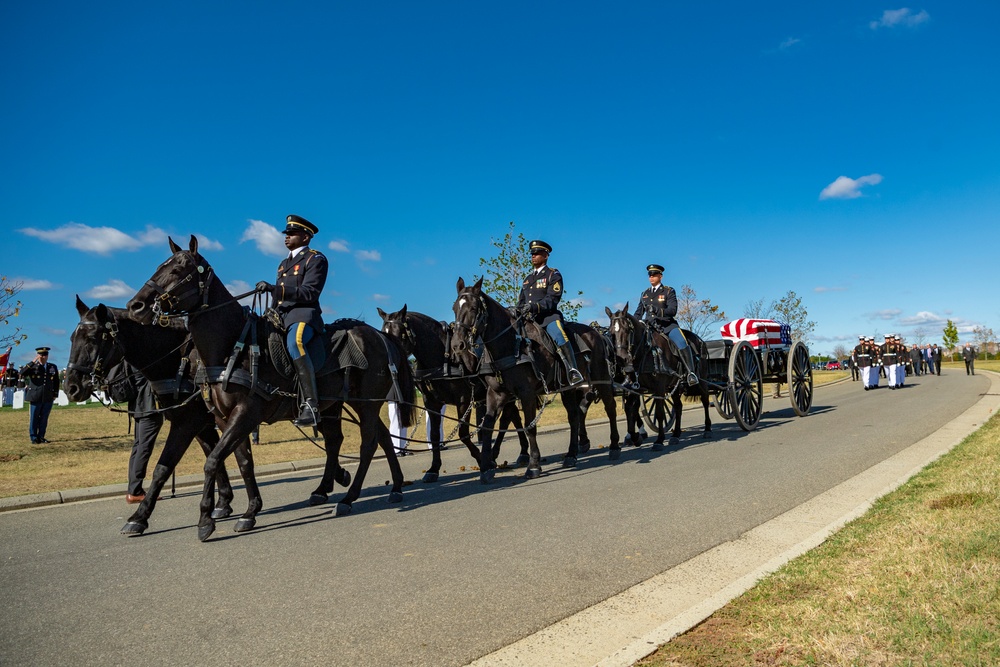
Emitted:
pixel 264 286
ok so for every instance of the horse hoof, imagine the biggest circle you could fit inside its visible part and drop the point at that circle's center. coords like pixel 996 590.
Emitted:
pixel 317 499
pixel 532 473
pixel 569 462
pixel 243 525
pixel 615 454
pixel 134 528
pixel 674 441
pixel 205 532
pixel 430 477
pixel 395 496
pixel 584 447
pixel 343 509
pixel 522 461
pixel 343 478
pixel 628 440
pixel 706 435
pixel 657 446
pixel 486 476
pixel 222 512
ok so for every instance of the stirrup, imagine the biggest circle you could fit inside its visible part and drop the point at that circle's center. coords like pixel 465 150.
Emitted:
pixel 574 376
pixel 308 416
pixel 692 379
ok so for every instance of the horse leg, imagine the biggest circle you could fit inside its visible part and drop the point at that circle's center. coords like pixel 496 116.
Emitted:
pixel 534 470
pixel 660 419
pixel 433 410
pixel 370 441
pixel 588 398
pixel 177 443
pixel 465 432
pixel 395 472
pixel 574 417
pixel 707 433
pixel 611 410
pixel 630 405
pixel 332 429
pixel 255 503
pixel 522 438
pixel 504 422
pixel 208 438
pixel 237 432
pixel 678 394
pixel 487 464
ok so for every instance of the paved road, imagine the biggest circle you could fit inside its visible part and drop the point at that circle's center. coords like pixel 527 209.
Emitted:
pixel 454 572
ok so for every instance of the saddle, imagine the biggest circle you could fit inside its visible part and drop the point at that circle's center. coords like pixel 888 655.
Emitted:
pixel 334 350
pixel 536 335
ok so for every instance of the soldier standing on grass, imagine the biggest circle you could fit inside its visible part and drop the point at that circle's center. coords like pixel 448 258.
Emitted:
pixel 41 388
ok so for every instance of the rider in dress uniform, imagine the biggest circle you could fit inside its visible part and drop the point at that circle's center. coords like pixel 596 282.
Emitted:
pixel 539 300
pixel 890 360
pixel 41 388
pixel 295 296
pixel 659 305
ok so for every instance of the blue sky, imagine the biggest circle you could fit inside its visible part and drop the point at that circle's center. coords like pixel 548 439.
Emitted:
pixel 846 151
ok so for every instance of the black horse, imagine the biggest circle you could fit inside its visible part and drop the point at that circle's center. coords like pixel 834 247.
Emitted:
pixel 479 318
pixel 445 383
pixel 652 360
pixel 245 391
pixel 104 337
pixel 631 400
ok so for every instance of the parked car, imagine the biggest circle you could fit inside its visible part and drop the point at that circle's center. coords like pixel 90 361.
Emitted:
pixel 833 366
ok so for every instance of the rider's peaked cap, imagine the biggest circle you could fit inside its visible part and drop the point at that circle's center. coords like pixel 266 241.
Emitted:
pixel 654 268
pixel 297 223
pixel 540 245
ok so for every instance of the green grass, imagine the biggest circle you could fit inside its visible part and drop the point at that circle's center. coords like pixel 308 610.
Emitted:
pixel 915 581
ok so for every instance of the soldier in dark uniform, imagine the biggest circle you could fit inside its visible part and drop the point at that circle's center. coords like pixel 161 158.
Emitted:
pixel 41 388
pixel 295 296
pixel 890 360
pixel 10 377
pixel 864 356
pixel 855 371
pixel 539 301
pixel 969 356
pixel 658 304
pixel 148 422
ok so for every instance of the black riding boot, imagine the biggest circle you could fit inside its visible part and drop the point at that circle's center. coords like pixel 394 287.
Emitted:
pixel 309 410
pixel 569 361
pixel 688 360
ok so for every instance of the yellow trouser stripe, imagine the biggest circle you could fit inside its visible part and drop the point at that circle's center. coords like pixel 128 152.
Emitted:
pixel 299 328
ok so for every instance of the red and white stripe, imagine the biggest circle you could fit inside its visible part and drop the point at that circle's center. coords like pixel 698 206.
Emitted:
pixel 754 331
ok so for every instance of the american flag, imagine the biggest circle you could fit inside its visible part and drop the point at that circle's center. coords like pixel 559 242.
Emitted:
pixel 758 332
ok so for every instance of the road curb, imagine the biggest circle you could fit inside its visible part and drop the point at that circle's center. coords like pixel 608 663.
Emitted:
pixel 627 627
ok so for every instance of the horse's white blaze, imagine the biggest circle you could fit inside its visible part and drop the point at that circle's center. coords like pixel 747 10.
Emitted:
pixel 461 302
pixel 617 326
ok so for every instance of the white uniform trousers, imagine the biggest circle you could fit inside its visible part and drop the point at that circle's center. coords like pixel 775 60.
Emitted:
pixel 869 376
pixel 397 431
pixel 900 374
pixel 891 375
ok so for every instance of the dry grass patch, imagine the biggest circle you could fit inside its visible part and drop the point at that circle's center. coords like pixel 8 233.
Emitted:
pixel 90 446
pixel 916 581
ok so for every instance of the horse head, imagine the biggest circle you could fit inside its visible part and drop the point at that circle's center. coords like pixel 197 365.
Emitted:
pixel 396 326
pixel 94 349
pixel 471 315
pixel 179 285
pixel 623 328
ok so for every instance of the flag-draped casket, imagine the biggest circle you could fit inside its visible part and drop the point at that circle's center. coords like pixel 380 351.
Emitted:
pixel 759 333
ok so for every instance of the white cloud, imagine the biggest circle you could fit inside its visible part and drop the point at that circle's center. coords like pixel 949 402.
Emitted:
pixel 98 240
pixel 848 188
pixel 368 255
pixel 887 314
pixel 239 287
pixel 381 297
pixel 923 318
pixel 904 17
pixel 829 289
pixel 33 284
pixel 339 246
pixel 53 332
pixel 113 289
pixel 833 339
pixel 205 243
pixel 788 43
pixel 267 239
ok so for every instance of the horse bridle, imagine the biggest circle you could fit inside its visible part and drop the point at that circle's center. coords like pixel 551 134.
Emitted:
pixel 166 301
pixel 627 350
pixel 478 326
pixel 109 334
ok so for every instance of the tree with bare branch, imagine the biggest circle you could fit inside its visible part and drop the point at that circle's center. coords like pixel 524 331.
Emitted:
pixel 697 315
pixel 10 307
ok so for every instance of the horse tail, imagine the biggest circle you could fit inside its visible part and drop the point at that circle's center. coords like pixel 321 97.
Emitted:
pixel 407 388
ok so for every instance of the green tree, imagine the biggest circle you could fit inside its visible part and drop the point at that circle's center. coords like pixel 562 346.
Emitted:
pixel 697 315
pixel 950 338
pixel 790 310
pixel 10 306
pixel 503 274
